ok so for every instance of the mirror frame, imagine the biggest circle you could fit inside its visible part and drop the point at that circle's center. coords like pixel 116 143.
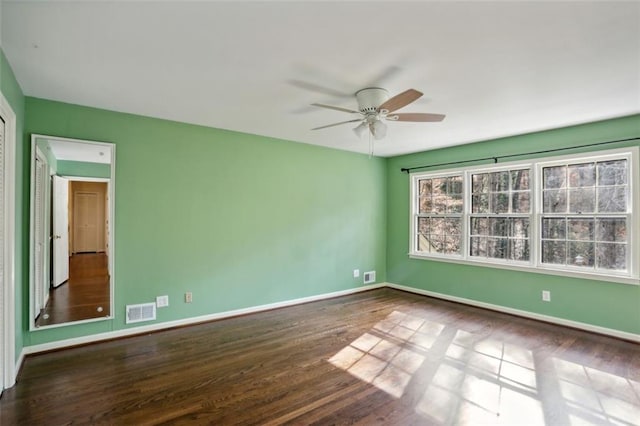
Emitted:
pixel 110 229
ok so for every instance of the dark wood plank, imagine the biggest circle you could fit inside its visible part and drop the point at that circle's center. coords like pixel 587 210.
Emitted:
pixel 379 357
pixel 85 295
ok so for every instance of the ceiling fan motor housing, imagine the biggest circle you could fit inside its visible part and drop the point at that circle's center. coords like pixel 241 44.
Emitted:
pixel 371 98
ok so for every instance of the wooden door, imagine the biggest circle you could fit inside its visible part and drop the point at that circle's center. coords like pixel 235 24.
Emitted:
pixel 86 224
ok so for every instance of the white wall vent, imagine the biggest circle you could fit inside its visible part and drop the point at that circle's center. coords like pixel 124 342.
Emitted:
pixel 369 277
pixel 141 312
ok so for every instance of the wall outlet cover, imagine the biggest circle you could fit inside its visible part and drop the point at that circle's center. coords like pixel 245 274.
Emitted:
pixel 162 301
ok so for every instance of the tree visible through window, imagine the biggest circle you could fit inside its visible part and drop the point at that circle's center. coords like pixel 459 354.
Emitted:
pixel 500 210
pixel 584 220
pixel 440 215
pixel 562 215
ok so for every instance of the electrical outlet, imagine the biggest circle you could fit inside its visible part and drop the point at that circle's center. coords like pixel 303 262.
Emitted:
pixel 188 297
pixel 356 273
pixel 162 301
pixel 546 295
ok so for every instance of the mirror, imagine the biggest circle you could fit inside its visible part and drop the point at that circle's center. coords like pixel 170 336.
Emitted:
pixel 71 244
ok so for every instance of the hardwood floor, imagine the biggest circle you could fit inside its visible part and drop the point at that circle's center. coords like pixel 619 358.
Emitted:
pixel 84 296
pixel 379 357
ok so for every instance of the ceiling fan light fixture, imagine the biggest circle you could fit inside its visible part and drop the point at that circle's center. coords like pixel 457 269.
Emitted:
pixel 360 129
pixel 378 129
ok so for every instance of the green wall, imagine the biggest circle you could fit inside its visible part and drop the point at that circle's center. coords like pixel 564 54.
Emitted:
pixel 83 169
pixel 239 220
pixel 599 303
pixel 13 94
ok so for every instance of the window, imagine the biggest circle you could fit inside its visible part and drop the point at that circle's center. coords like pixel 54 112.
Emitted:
pixel 500 214
pixel 563 215
pixel 440 215
pixel 584 220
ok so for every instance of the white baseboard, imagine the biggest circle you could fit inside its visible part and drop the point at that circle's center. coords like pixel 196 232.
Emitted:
pixel 254 309
pixel 83 340
pixel 546 318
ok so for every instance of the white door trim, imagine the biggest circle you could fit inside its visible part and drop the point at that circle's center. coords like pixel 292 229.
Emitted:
pixel 7 290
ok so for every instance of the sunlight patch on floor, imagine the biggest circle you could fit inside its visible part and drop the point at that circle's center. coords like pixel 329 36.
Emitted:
pixel 594 396
pixel 389 355
pixel 482 382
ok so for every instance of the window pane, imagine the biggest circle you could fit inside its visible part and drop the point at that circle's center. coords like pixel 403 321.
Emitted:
pixel 452 244
pixel 455 204
pixel 582 200
pixel 498 227
pixel 611 230
pixel 439 186
pixel 480 203
pixel 437 243
pixel 519 249
pixel 611 256
pixel 479 226
pixel 554 177
pixel 479 246
pixel 553 252
pixel 554 201
pixel 480 183
pixel 580 229
pixel 582 175
pixel 453 226
pixel 423 225
pixel 612 199
pixel 437 225
pixel 519 228
pixel 497 247
pixel 426 205
pixel 423 243
pixel 519 180
pixel 455 185
pixel 440 203
pixel 554 228
pixel 612 172
pixel 424 187
pixel 580 253
pixel 520 202
pixel 499 181
pixel 499 202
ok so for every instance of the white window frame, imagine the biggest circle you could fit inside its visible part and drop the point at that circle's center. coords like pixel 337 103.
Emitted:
pixel 415 207
pixel 631 276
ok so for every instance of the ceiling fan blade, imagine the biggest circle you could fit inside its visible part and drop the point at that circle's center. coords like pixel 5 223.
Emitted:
pixel 398 101
pixel 416 116
pixel 352 111
pixel 337 124
pixel 319 89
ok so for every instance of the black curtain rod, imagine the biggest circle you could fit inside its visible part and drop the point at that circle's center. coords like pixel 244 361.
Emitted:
pixel 499 157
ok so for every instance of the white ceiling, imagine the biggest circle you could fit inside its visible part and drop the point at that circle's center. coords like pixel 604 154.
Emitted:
pixel 494 68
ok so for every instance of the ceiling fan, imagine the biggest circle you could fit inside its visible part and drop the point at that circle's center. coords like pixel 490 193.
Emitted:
pixel 375 107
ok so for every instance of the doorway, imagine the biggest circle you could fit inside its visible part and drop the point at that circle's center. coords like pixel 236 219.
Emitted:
pixel 79 263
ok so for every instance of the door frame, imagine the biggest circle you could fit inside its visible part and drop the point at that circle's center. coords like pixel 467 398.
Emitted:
pixel 7 289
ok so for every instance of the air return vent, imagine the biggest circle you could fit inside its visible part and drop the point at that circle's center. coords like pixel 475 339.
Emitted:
pixel 141 312
pixel 369 277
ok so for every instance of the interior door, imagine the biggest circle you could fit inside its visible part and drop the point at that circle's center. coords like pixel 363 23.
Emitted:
pixel 60 230
pixel 85 220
